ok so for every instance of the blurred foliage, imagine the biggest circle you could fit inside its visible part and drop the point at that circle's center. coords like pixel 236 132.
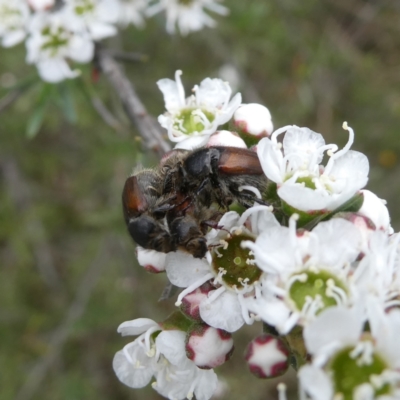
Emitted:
pixel 69 275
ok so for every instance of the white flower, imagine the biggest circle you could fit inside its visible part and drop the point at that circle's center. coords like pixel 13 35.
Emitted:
pixel 302 181
pixel 349 362
pixel 192 120
pixel 189 15
pixel 135 364
pixel 164 358
pixel 306 271
pixel 131 12
pixel 14 17
pixel 52 42
pixel 230 268
pixel 97 17
pixel 177 376
pixel 377 275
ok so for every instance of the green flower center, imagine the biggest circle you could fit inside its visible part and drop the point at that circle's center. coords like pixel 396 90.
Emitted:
pixel 8 12
pixel 235 266
pixel 315 291
pixel 351 368
pixel 308 182
pixel 85 6
pixel 185 2
pixel 192 120
pixel 54 39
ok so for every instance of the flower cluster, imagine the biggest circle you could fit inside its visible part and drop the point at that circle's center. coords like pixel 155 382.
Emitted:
pixel 313 257
pixel 57 33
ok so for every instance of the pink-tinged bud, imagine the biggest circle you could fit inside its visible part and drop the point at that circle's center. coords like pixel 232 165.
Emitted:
pixel 364 225
pixel 41 5
pixel 267 356
pixel 225 138
pixel 151 260
pixel 253 122
pixel 208 347
pixel 375 209
pixel 191 302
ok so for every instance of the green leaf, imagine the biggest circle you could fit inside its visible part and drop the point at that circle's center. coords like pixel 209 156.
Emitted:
pixel 67 102
pixel 36 119
pixel 352 205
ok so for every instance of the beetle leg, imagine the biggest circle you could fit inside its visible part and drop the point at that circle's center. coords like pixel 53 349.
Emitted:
pixel 247 197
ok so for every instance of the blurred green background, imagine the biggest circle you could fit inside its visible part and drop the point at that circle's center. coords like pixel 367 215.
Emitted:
pixel 68 270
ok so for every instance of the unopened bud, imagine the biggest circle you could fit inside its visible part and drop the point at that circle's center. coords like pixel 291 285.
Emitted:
pixel 208 347
pixel 375 209
pixel 151 260
pixel 253 122
pixel 267 356
pixel 41 5
pixel 191 302
pixel 225 138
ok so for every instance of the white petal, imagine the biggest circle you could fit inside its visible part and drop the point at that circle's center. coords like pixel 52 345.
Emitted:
pixel 271 160
pixel 338 241
pixel 350 172
pixel 172 345
pixel 222 313
pixel 13 37
pixel 327 329
pixel 99 30
pixel 136 375
pixel 207 382
pixel 171 92
pixel 213 93
pixel 81 49
pixel 136 326
pixel 274 250
pixel 385 329
pixel 192 142
pixel 224 115
pixel 304 143
pixel 183 269
pixel 272 311
pixel 303 198
pixel 262 221
pixel 315 382
pixel 55 70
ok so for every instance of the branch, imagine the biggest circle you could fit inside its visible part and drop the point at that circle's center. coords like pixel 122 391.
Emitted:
pixel 149 129
pixel 124 56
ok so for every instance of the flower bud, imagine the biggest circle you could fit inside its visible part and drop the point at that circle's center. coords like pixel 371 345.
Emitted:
pixel 253 122
pixel 190 303
pixel 41 5
pixel 364 225
pixel 375 209
pixel 226 138
pixel 208 347
pixel 267 356
pixel 152 261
